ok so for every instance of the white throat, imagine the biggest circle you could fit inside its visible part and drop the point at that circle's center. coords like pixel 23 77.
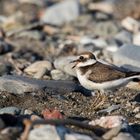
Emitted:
pixel 86 63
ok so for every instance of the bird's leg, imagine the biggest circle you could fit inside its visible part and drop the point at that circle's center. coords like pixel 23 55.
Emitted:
pixel 100 98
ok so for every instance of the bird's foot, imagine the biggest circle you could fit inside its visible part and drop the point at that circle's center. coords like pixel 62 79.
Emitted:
pixel 100 98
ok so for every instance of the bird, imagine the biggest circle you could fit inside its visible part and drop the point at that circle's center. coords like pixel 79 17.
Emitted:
pixel 96 75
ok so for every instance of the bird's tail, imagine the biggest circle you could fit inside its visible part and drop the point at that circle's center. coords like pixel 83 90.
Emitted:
pixel 135 76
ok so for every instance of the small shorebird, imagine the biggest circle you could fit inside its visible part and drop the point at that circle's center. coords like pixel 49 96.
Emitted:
pixel 94 75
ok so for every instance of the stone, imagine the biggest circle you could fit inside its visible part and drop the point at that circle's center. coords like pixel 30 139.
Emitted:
pixel 10 110
pixel 22 85
pixel 61 12
pixel 128 56
pixel 63 64
pixel 124 37
pixel 106 29
pixel 137 116
pixel 38 69
pixel 5 69
pixel 110 121
pixel 124 136
pixel 10 133
pixel 118 8
pixel 59 75
pixel 136 39
pixel 130 24
pixel 34 35
pixel 111 133
pixel 46 132
pixel 5 47
pixel 109 109
pixel 75 136
pixel 98 42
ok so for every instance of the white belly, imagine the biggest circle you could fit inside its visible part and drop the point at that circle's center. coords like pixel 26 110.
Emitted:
pixel 102 86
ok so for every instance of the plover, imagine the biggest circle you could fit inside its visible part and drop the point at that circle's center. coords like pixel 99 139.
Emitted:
pixel 94 75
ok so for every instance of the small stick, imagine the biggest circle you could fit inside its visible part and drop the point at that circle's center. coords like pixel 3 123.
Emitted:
pixel 28 124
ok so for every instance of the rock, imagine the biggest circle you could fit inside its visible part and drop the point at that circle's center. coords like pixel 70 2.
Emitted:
pixel 46 132
pixel 109 109
pixel 128 56
pixel 5 69
pixel 124 136
pixel 10 133
pixel 98 42
pixel 21 85
pixel 130 24
pixel 5 47
pixel 62 12
pixel 136 110
pixel 106 29
pixel 120 9
pixel 111 133
pixel 124 37
pixel 10 110
pixel 63 63
pixel 136 39
pixel 39 68
pixel 109 121
pixel 28 112
pixel 74 136
pixel 36 35
pixel 137 116
pixel 59 75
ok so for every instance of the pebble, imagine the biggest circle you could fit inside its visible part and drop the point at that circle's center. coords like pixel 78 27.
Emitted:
pixel 28 112
pixel 10 110
pixel 130 24
pixel 124 37
pixel 106 29
pixel 5 69
pixel 110 109
pixel 59 75
pixel 22 85
pixel 31 35
pixel 137 116
pixel 124 136
pixel 74 136
pixel 136 110
pixel 61 12
pixel 136 39
pixel 38 69
pixel 63 64
pixel 5 47
pixel 128 56
pixel 111 133
pixel 109 121
pixel 118 8
pixel 46 132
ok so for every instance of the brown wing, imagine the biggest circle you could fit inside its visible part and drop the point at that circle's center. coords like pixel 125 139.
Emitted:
pixel 101 73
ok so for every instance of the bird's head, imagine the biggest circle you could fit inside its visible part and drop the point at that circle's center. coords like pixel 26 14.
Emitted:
pixel 84 59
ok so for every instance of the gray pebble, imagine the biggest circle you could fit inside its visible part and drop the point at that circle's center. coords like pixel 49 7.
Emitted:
pixel 62 12
pixel 46 132
pixel 124 37
pixel 10 110
pixel 128 56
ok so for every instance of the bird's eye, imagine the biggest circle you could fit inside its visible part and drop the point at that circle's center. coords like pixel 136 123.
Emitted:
pixel 81 58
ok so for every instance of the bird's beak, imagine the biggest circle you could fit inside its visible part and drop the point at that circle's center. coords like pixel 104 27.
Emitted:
pixel 75 61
